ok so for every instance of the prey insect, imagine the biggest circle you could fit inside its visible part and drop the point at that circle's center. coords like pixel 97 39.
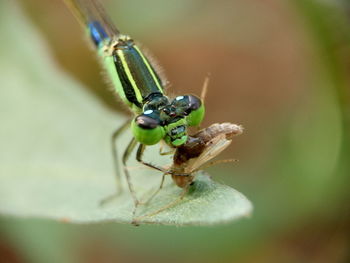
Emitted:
pixel 134 78
pixel 196 154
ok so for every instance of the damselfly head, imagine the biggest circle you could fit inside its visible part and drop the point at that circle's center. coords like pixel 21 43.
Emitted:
pixel 166 120
pixel 190 107
pixel 183 111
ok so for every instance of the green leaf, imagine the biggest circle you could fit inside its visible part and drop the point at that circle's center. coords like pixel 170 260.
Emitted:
pixel 55 159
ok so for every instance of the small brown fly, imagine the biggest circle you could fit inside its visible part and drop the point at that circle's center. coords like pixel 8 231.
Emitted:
pixel 195 155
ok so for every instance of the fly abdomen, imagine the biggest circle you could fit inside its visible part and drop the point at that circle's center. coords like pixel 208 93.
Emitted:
pixel 216 129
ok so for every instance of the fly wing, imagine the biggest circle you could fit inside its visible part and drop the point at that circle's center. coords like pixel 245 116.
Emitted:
pixel 212 149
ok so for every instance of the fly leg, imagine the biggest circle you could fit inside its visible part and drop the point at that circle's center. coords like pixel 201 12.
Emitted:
pixel 171 204
pixel 214 163
pixel 157 191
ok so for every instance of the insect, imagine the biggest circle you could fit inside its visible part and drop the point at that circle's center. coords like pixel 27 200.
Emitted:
pixel 134 78
pixel 195 154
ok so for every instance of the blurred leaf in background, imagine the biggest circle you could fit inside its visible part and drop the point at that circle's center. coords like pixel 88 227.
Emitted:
pixel 278 68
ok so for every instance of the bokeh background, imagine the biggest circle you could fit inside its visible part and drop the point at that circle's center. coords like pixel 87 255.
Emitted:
pixel 279 68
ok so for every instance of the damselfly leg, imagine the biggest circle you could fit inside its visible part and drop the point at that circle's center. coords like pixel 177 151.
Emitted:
pixel 117 175
pixel 139 156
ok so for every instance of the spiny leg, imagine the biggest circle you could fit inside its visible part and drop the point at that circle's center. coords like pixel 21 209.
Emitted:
pixel 214 163
pixel 114 138
pixel 125 158
pixel 139 155
pixel 171 204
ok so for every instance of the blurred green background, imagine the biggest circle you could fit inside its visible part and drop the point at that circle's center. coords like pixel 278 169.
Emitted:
pixel 279 68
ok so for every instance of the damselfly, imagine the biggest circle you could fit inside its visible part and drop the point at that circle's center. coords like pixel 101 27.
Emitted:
pixel 195 154
pixel 139 85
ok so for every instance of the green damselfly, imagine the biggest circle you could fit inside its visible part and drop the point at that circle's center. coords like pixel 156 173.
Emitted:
pixel 134 78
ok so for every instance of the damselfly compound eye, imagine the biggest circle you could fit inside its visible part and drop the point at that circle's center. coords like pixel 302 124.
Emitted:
pixel 146 122
pixel 195 110
pixel 147 129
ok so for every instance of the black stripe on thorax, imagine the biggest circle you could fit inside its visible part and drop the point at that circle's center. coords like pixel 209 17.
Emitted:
pixel 142 76
pixel 125 82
